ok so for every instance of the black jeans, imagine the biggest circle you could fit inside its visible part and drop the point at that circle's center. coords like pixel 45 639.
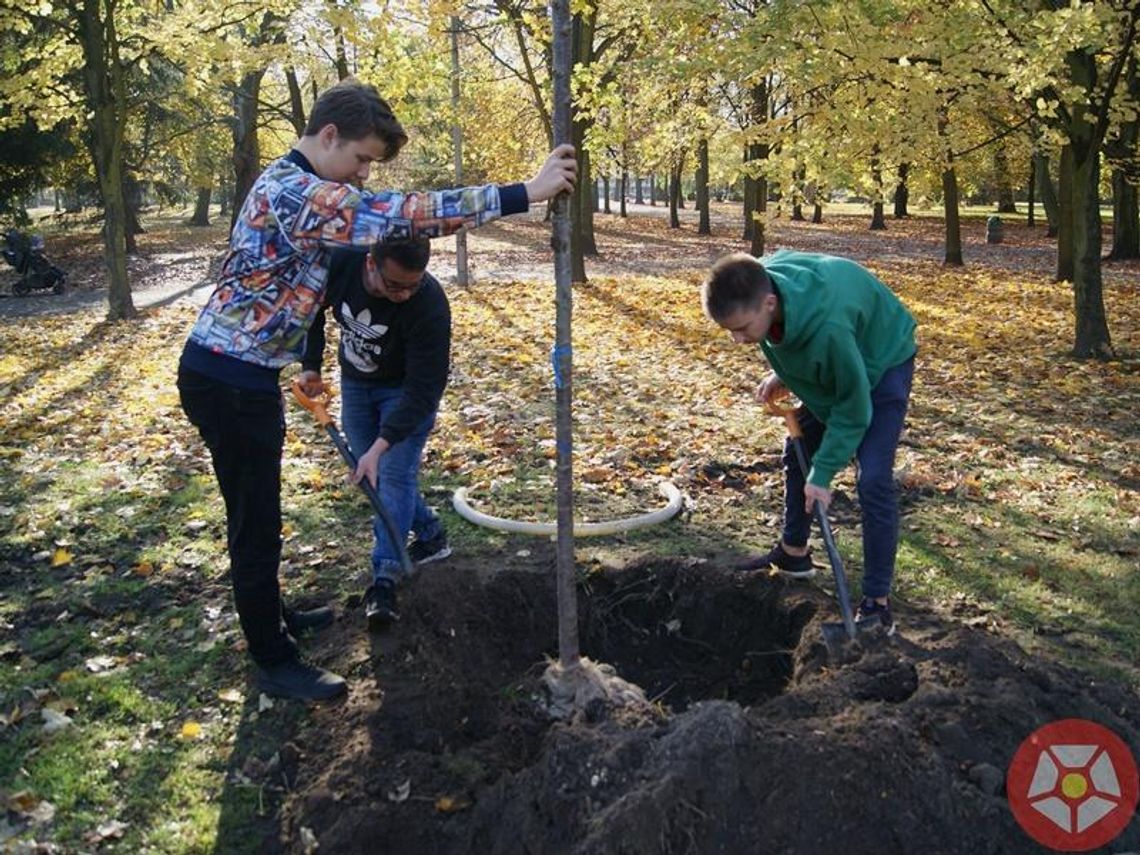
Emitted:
pixel 245 432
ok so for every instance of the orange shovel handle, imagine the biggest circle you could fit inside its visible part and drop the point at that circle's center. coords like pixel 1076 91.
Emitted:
pixel 317 404
pixel 788 414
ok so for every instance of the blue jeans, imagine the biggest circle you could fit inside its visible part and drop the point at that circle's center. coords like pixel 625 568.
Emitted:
pixel 363 408
pixel 875 459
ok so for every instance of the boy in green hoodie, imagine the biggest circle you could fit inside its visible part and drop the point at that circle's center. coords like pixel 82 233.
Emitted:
pixel 843 343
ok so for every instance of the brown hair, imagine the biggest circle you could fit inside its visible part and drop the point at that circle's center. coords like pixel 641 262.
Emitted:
pixel 357 110
pixel 737 281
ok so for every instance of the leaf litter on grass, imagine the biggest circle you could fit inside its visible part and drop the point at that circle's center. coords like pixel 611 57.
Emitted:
pixel 1018 470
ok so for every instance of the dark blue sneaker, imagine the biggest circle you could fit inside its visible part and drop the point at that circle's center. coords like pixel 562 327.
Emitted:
pixel 870 612
pixel 380 605
pixel 795 566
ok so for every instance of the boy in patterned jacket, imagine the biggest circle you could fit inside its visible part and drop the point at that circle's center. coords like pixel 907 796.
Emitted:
pixel 271 285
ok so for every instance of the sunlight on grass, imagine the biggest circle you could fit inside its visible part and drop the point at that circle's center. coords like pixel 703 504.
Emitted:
pixel 1018 469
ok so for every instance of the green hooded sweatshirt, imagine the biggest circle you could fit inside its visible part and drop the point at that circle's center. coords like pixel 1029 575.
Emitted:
pixel 843 329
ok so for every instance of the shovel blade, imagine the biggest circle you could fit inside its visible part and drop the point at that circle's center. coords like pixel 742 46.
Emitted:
pixel 839 640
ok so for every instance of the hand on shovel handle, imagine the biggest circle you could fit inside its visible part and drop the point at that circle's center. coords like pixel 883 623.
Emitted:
pixel 318 406
pixel 819 508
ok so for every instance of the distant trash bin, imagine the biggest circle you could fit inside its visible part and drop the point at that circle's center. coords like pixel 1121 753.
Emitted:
pixel 994 230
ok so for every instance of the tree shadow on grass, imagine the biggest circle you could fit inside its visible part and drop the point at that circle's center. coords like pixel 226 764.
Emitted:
pixel 1044 581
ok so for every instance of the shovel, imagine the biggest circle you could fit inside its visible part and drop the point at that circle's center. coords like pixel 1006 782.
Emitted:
pixel 834 634
pixel 318 406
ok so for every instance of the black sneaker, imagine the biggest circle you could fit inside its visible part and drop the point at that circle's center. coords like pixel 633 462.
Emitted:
pixel 298 621
pixel 380 605
pixel 298 680
pixel 795 566
pixel 427 551
pixel 870 612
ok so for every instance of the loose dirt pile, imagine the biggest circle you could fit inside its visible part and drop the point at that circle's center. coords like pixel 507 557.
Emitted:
pixel 756 742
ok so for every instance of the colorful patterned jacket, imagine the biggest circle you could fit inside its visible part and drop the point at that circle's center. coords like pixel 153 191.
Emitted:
pixel 274 277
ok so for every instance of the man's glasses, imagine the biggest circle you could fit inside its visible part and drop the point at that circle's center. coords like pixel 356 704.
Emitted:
pixel 400 287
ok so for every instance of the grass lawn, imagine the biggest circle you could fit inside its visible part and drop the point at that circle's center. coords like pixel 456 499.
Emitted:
pixel 123 703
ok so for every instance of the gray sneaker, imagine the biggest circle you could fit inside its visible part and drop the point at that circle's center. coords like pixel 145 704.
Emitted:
pixel 793 566
pixel 427 551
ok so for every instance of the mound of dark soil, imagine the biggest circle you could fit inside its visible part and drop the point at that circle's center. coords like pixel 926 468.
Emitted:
pixel 758 742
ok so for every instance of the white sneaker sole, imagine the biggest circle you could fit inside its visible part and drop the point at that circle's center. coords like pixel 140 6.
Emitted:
pixel 436 556
pixel 797 574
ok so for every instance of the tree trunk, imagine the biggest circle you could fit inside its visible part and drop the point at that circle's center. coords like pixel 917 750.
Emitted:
pixel 582 240
pixel 225 197
pixel 568 650
pixel 639 195
pixel 606 194
pixel 705 225
pixel 296 102
pixel 759 214
pixel 756 188
pixel 653 189
pixel 132 200
pixel 622 193
pixel 953 255
pixel 105 91
pixel 675 193
pixel 1006 204
pixel 1125 196
pixel 202 208
pixel 902 192
pixel 817 213
pixel 878 220
pixel 246 154
pixel 341 55
pixel 1030 215
pixel 1048 194
pixel 798 194
pixel 1125 150
pixel 1065 218
pixel 1125 218
pixel 1092 338
pixel 462 274
pixel 581 215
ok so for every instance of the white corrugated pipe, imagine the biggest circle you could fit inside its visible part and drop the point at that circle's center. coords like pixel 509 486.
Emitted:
pixel 671 493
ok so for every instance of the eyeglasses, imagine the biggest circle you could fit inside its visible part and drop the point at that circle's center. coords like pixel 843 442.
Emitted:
pixel 400 287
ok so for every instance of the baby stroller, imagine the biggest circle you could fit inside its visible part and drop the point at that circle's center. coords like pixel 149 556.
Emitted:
pixel 26 254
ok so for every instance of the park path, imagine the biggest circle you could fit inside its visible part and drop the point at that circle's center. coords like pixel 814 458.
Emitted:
pixel 518 249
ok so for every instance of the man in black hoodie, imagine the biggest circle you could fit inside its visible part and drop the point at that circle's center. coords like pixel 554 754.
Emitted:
pixel 394 355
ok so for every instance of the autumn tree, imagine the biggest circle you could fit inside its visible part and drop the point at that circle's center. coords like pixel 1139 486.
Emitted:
pixel 1070 61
